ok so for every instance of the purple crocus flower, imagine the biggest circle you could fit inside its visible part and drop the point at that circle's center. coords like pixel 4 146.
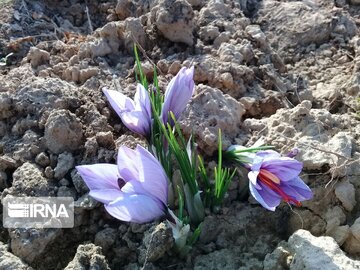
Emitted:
pixel 134 190
pixel 178 93
pixel 273 178
pixel 135 114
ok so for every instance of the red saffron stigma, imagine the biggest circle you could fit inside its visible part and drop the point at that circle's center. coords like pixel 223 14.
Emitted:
pixel 264 178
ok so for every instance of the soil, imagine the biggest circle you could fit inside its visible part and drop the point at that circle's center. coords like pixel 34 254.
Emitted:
pixel 285 71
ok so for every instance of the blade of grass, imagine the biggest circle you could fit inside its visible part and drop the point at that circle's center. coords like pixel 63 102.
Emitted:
pixel 139 68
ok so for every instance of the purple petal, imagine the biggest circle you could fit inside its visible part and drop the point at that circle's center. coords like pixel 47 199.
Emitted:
pixel 118 101
pixel 135 118
pixel 152 175
pixel 142 101
pixel 254 170
pixel 269 191
pixel 178 93
pixel 252 175
pixel 99 176
pixel 106 195
pixel 137 122
pixel 284 168
pixel 297 189
pixel 142 166
pixel 127 164
pixel 268 154
pixel 266 199
pixel 135 208
pixel 134 187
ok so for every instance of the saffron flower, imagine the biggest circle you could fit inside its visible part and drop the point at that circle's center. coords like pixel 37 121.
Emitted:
pixel 134 190
pixel 135 114
pixel 178 93
pixel 273 178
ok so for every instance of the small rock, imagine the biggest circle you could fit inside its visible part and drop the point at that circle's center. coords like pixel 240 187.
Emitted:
pixel 255 32
pixel 174 19
pixel 78 182
pixel 345 192
pixel 163 65
pixel 31 244
pixel 195 3
pixel 355 229
pixel 134 30
pixel 99 47
pixel 88 256
pixel 227 80
pixel 279 259
pixel 87 73
pixel 38 57
pixel 341 3
pixel 138 228
pixel 6 106
pixel 123 9
pixel 226 259
pixel 105 238
pixel 49 172
pixel 317 253
pixel 334 218
pixel 209 33
pixel 105 139
pixel 229 53
pixel 175 67
pixel 298 23
pixel 42 159
pixel 9 261
pixel 86 202
pixel 63 131
pixel 64 182
pixel 157 242
pixel 223 37
pixel 91 147
pixel 7 162
pixel 64 164
pixel 28 180
pixel 340 234
pixel 352 246
pixel 210 110
pixel 64 191
pixel 81 207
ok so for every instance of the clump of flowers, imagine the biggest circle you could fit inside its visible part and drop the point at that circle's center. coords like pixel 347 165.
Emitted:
pixel 140 187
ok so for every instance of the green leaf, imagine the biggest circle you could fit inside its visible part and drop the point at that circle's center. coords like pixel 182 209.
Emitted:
pixel 223 177
pixel 181 203
pixel 143 79
pixel 195 236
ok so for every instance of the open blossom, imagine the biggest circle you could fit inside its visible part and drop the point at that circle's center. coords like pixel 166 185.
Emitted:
pixel 135 114
pixel 273 178
pixel 178 93
pixel 134 190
